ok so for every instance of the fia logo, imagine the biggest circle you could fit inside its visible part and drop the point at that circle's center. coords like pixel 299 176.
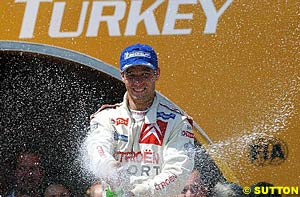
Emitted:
pixel 268 151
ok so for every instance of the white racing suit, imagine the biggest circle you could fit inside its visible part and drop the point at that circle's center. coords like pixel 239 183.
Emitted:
pixel 157 153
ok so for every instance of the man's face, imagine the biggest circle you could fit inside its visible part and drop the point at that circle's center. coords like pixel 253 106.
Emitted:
pixel 96 190
pixel 140 83
pixel 56 190
pixel 28 172
pixel 194 187
pixel 193 190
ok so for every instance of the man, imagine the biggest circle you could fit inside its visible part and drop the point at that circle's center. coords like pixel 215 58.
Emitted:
pixel 95 190
pixel 229 189
pixel 28 175
pixel 3 184
pixel 194 187
pixel 144 145
pixel 56 190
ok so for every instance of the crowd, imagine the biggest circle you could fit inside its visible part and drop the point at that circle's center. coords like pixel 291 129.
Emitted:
pixel 29 175
pixel 28 180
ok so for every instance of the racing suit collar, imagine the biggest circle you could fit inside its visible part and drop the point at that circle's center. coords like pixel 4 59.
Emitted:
pixel 150 116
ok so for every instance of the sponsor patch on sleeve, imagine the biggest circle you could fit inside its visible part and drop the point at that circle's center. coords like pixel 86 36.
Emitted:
pixel 120 137
pixel 188 134
pixel 94 125
pixel 165 116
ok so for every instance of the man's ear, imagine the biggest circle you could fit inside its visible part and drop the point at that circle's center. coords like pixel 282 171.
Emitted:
pixel 122 76
pixel 157 73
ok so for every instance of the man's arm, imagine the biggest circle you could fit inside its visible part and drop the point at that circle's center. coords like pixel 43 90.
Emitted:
pixel 100 145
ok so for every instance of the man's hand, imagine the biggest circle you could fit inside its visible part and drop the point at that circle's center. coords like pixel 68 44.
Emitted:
pixel 115 164
pixel 119 178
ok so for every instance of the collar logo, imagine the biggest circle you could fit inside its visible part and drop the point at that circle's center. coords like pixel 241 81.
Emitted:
pixel 153 133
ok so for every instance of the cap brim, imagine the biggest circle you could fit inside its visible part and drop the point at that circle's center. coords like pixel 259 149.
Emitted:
pixel 139 63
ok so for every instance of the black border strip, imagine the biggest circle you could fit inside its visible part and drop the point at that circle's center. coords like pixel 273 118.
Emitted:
pixel 61 53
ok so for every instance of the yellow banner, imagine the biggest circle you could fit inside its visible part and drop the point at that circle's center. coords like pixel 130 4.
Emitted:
pixel 232 65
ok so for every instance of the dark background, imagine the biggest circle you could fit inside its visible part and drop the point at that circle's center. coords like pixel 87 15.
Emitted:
pixel 45 105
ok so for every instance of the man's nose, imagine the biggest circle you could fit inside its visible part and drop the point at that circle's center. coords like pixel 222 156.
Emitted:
pixel 138 79
pixel 188 194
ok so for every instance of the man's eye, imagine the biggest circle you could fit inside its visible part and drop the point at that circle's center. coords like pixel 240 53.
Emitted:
pixel 146 75
pixel 130 75
pixel 184 191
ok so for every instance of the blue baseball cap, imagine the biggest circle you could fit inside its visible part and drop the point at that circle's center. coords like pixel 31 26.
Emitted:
pixel 138 54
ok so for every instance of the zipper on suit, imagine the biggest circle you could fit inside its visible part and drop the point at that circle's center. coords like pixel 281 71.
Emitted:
pixel 132 139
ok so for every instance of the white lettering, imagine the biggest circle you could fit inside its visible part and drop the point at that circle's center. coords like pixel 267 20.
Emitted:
pixel 30 16
pixel 56 21
pixel 134 18
pixel 112 21
pixel 136 54
pixel 212 15
pixel 137 14
pixel 172 15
